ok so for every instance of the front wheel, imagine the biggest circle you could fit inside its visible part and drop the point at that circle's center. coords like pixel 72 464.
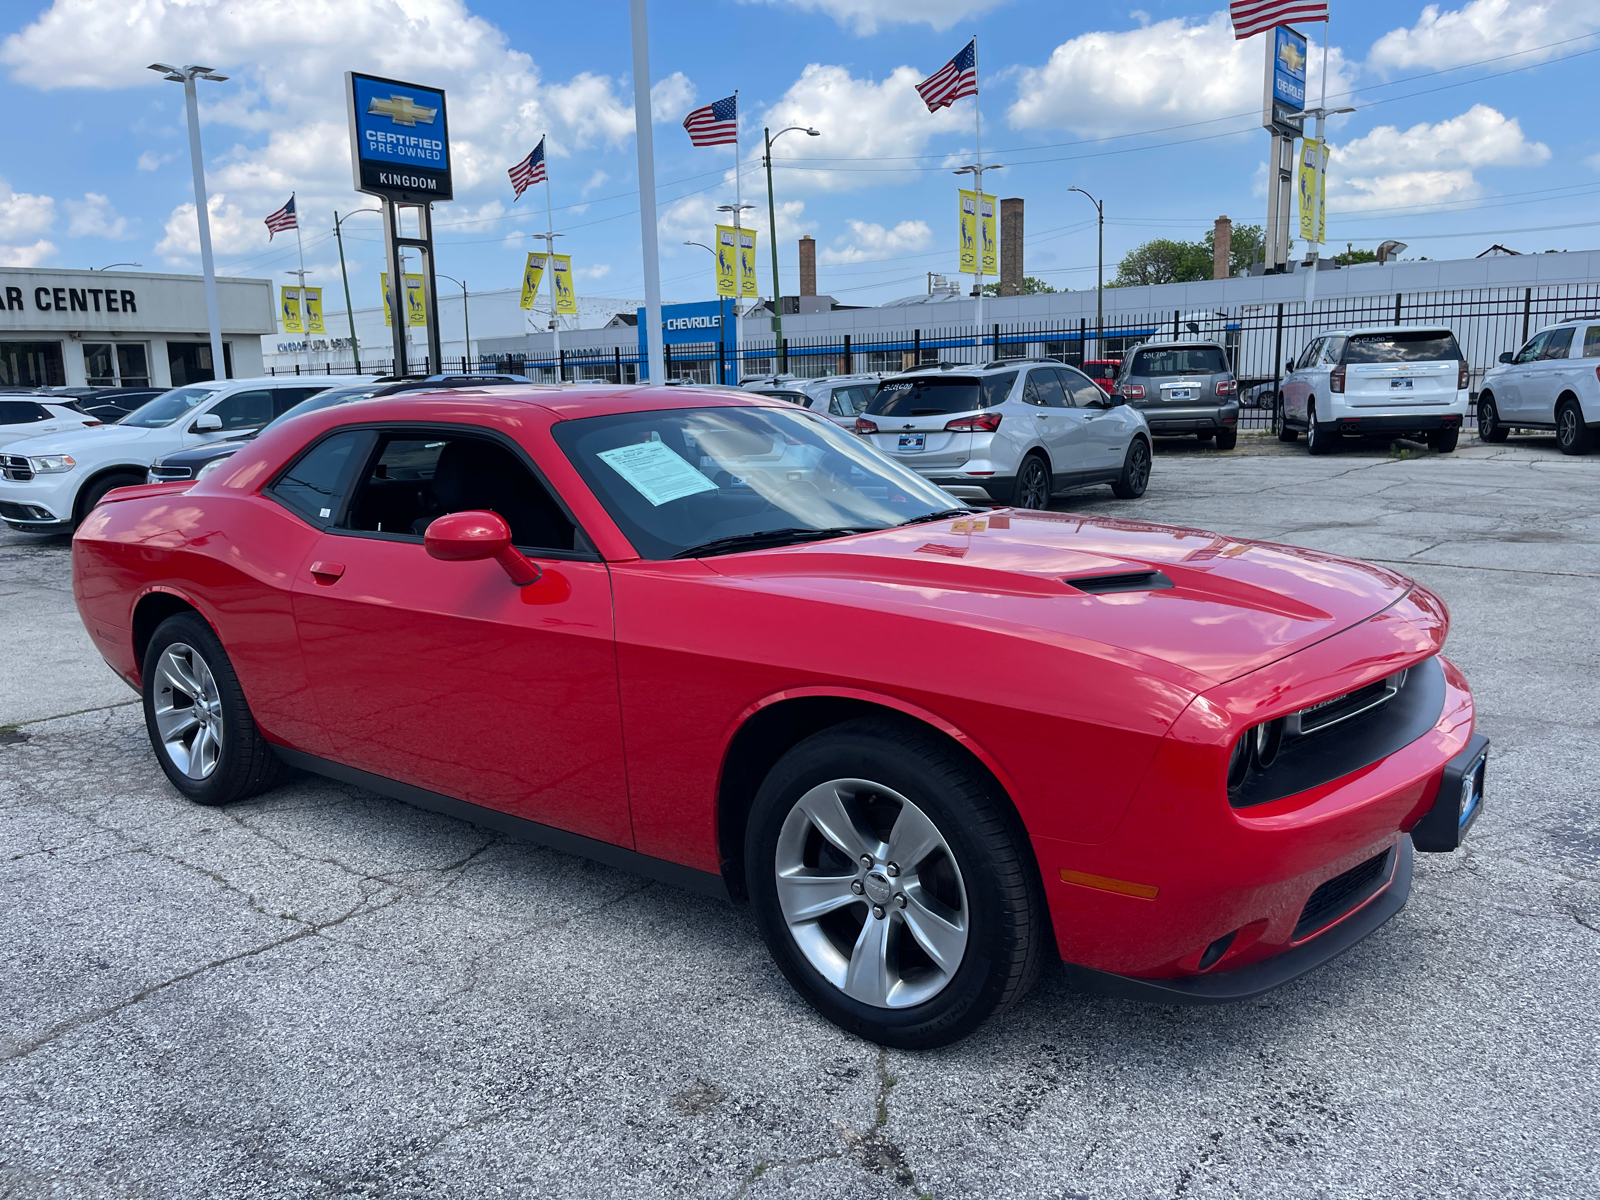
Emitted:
pixel 199 723
pixel 893 885
pixel 1572 435
pixel 1489 427
pixel 1135 477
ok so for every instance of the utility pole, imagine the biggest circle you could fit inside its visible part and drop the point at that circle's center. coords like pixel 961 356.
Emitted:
pixel 781 359
pixel 466 321
pixel 1100 272
pixel 349 310
pixel 644 136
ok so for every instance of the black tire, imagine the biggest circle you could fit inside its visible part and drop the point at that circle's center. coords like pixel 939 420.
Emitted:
pixel 1135 477
pixel 1032 488
pixel 1206 435
pixel 1000 897
pixel 95 492
pixel 1227 439
pixel 1319 438
pixel 1572 435
pixel 1489 427
pixel 1444 440
pixel 1280 424
pixel 245 763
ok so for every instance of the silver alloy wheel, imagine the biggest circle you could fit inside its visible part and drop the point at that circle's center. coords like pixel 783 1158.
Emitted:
pixel 1034 491
pixel 871 893
pixel 1139 467
pixel 1311 425
pixel 1567 426
pixel 188 711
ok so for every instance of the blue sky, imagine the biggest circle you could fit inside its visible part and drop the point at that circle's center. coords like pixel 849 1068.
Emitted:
pixel 1154 109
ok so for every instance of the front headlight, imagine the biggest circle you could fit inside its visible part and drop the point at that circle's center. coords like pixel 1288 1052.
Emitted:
pixel 209 467
pixel 52 464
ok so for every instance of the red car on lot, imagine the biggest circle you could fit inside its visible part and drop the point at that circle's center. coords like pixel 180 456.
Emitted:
pixel 713 638
pixel 1104 371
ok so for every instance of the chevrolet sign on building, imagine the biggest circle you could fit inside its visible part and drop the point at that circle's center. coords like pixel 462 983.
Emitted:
pixel 399 139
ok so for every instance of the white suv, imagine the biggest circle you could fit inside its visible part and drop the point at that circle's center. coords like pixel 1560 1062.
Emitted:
pixel 840 398
pixel 48 484
pixel 1553 382
pixel 1397 381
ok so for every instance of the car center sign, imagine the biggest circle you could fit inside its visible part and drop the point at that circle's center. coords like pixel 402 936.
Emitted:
pixel 1286 81
pixel 399 139
pixel 688 324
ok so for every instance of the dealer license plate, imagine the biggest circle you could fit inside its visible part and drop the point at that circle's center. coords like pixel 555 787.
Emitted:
pixel 912 442
pixel 1404 384
pixel 1180 393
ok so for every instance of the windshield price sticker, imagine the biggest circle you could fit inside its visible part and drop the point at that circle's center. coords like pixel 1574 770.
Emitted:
pixel 656 471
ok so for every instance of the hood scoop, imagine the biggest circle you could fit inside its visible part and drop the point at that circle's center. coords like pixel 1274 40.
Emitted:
pixel 1125 581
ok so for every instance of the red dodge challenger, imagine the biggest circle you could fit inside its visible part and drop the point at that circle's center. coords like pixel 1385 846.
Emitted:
pixel 717 640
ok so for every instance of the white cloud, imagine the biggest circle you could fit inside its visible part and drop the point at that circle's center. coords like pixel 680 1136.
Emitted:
pixel 1174 71
pixel 22 213
pixel 596 272
pixel 26 256
pixel 1427 164
pixel 94 216
pixel 1484 29
pixel 867 241
pixel 875 124
pixel 232 232
pixel 670 99
pixel 864 16
pixel 598 179
pixel 149 161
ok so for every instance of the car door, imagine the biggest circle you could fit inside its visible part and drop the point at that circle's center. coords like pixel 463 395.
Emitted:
pixel 1297 384
pixel 1106 427
pixel 1510 386
pixel 1054 425
pixel 239 412
pixel 1547 377
pixel 448 676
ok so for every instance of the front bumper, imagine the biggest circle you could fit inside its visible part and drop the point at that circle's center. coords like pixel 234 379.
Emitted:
pixel 42 504
pixel 1169 419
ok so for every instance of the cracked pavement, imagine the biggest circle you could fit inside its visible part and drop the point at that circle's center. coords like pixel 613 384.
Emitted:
pixel 324 993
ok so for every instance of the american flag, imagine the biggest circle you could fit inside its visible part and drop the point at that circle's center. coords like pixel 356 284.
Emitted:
pixel 281 220
pixel 1250 17
pixel 957 78
pixel 529 171
pixel 716 124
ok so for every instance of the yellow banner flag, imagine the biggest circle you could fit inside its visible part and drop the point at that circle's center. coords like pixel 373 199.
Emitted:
pixel 969 233
pixel 989 243
pixel 747 262
pixel 1313 210
pixel 290 308
pixel 561 281
pixel 531 274
pixel 313 311
pixel 416 304
pixel 727 260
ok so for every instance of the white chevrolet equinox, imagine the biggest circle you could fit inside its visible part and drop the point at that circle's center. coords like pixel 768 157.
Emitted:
pixel 48 484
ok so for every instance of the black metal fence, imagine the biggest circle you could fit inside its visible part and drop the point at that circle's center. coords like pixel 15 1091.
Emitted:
pixel 1261 339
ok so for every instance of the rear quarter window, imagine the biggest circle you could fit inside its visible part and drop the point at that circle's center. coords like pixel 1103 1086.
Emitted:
pixel 22 412
pixel 1406 345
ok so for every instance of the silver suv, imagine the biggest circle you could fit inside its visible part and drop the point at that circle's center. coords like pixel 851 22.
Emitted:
pixel 840 398
pixel 1012 433
pixel 1553 382
pixel 1183 387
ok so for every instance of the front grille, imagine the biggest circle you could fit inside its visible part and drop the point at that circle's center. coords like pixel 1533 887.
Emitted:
pixel 1351 704
pixel 163 474
pixel 15 468
pixel 1343 893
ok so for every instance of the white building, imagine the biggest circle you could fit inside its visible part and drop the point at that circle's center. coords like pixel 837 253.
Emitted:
pixel 124 328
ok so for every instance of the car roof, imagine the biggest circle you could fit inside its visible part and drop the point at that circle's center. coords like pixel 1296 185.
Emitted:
pixel 1370 329
pixel 1161 343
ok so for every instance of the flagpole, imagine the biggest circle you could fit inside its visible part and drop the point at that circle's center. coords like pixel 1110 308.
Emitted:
pixel 550 260
pixel 977 109
pixel 305 317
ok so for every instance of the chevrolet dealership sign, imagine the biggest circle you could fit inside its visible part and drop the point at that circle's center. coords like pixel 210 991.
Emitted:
pixel 399 139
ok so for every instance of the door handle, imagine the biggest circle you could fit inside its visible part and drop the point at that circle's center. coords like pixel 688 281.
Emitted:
pixel 327 572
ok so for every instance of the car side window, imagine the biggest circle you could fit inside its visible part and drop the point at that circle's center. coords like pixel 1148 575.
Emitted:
pixel 283 399
pixel 1591 342
pixel 245 410
pixel 995 388
pixel 1082 392
pixel 1333 350
pixel 22 412
pixel 316 485
pixel 1532 350
pixel 1557 343
pixel 1044 388
pixel 418 477
pixel 848 401
pixel 1309 355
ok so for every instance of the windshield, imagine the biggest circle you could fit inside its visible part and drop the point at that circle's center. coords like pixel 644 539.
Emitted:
pixel 167 407
pixel 937 395
pixel 324 400
pixel 680 478
pixel 1406 345
pixel 1179 360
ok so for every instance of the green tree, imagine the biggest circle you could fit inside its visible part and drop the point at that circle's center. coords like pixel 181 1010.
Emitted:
pixel 1247 245
pixel 1030 287
pixel 1163 261
pixel 1351 255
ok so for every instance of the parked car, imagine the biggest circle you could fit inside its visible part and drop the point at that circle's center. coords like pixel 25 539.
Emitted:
pixel 1183 387
pixel 23 416
pixel 48 484
pixel 840 398
pixel 1394 382
pixel 190 462
pixel 1103 371
pixel 593 577
pixel 1553 382
pixel 1014 433
pixel 108 404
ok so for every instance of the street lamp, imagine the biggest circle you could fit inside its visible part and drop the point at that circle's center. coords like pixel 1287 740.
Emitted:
pixel 126 264
pixel 722 315
pixel 187 75
pixel 782 358
pixel 738 321
pixel 1100 272
pixel 465 320
pixel 349 312
pixel 1321 115
pixel 976 170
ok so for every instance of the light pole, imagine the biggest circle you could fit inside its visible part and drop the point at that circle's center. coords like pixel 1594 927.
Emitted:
pixel 976 170
pixel 1316 239
pixel 782 359
pixel 1100 272
pixel 722 315
pixel 126 264
pixel 737 210
pixel 644 140
pixel 187 75
pixel 349 311
pixel 465 321
pixel 549 240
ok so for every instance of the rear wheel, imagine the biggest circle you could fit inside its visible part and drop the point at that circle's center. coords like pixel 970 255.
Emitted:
pixel 1032 489
pixel 1135 477
pixel 893 885
pixel 1206 435
pixel 1572 435
pixel 1319 440
pixel 1444 440
pixel 1227 439
pixel 1280 426
pixel 1489 427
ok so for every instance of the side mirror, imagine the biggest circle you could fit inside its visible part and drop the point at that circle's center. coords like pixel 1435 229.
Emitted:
pixel 472 536
pixel 208 423
pixel 1506 356
pixel 1288 367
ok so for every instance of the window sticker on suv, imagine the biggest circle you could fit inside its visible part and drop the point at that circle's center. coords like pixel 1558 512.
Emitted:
pixel 1421 345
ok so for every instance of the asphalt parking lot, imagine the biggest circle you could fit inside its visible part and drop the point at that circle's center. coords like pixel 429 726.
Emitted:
pixel 323 993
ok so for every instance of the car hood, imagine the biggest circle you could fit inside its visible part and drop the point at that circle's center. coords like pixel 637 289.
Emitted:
pixel 78 439
pixel 1233 606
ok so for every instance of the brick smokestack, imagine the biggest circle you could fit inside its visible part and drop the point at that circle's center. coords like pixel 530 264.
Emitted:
pixel 808 266
pixel 1222 248
pixel 1011 247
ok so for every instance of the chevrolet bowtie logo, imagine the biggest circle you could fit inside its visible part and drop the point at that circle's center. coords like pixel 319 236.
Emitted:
pixel 1293 57
pixel 402 110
